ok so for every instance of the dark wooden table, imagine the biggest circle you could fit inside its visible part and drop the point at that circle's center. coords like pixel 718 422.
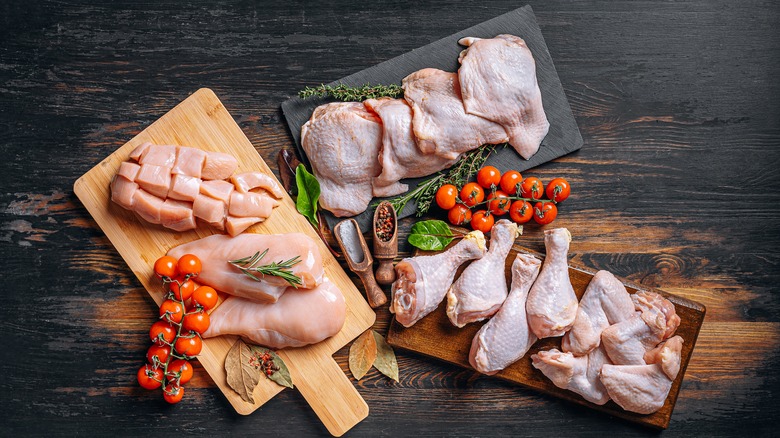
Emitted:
pixel 676 187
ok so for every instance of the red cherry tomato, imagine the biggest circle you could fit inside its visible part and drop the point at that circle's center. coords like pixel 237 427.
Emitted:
pixel 166 266
pixel 172 311
pixel 205 297
pixel 521 211
pixel 188 344
pixel 510 182
pixel 472 194
pixel 446 196
pixel 488 177
pixel 150 377
pixel 162 332
pixel 180 369
pixel 532 187
pixel 161 353
pixel 189 264
pixel 482 221
pixel 196 321
pixel 544 213
pixel 558 190
pixel 173 393
pixel 459 215
pixel 500 203
pixel 183 292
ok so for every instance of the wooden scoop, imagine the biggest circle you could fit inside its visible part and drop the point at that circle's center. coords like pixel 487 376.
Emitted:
pixel 385 250
pixel 359 259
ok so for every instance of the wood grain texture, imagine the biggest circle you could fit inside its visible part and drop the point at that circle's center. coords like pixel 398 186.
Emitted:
pixel 676 187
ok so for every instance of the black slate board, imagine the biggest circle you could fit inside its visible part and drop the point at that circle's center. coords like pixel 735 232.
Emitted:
pixel 564 136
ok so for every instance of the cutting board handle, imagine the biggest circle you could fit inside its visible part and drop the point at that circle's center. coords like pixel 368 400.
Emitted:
pixel 327 389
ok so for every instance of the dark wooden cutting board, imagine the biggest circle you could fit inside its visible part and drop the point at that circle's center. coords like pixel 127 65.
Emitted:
pixel 564 136
pixel 436 337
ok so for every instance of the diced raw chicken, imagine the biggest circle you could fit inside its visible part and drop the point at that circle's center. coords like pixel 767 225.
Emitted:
pixel 481 288
pixel 237 225
pixel 128 170
pixel 159 155
pixel 154 179
pixel 245 182
pixel 506 337
pixel 498 82
pixel 342 141
pixel 219 166
pixel 184 188
pixel 251 204
pixel 216 251
pixel 423 281
pixel 140 150
pixel 399 156
pixel 298 318
pixel 209 209
pixel 604 303
pixel 177 215
pixel 644 388
pixel 217 189
pixel 147 206
pixel 123 191
pixel 627 342
pixel 189 161
pixel 552 304
pixel 440 122
pixel 579 374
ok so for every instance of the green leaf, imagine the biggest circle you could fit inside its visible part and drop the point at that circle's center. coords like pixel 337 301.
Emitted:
pixel 282 375
pixel 308 194
pixel 385 361
pixel 432 235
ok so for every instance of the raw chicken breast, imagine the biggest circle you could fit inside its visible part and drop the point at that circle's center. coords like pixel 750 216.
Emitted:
pixel 400 157
pixel 154 179
pixel 440 122
pixel 217 189
pixel 251 204
pixel 189 161
pixel 298 318
pixel 123 191
pixel 644 388
pixel 218 166
pixel 423 281
pixel 627 342
pixel 128 170
pixel 177 215
pixel 578 374
pixel 506 337
pixel 481 288
pixel 159 155
pixel 605 302
pixel 552 304
pixel 216 251
pixel 237 225
pixel 184 188
pixel 498 82
pixel 209 209
pixel 248 181
pixel 342 141
pixel 147 206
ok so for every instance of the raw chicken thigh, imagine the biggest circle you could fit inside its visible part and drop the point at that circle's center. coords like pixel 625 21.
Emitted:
pixel 481 288
pixel 423 281
pixel 440 122
pixel 506 337
pixel 605 302
pixel 300 317
pixel 579 374
pixel 498 82
pixel 342 141
pixel 552 304
pixel 400 157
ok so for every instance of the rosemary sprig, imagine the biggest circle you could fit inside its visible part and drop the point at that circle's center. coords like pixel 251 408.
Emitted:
pixel 352 94
pixel 249 265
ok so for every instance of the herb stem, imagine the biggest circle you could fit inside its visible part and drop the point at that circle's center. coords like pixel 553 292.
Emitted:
pixel 283 269
pixel 346 93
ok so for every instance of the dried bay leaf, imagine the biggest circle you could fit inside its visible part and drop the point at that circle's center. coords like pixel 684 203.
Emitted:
pixel 362 354
pixel 385 361
pixel 241 375
pixel 282 375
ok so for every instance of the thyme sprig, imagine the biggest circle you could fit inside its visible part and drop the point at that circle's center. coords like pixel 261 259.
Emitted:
pixel 352 94
pixel 250 266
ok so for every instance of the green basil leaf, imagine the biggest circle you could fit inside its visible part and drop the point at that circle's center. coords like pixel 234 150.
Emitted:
pixel 432 235
pixel 308 194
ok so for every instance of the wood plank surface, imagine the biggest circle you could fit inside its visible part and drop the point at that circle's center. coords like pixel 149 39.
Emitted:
pixel 435 336
pixel 201 121
pixel 675 187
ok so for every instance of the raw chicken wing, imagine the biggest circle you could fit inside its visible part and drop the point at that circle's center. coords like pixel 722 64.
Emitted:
pixel 578 374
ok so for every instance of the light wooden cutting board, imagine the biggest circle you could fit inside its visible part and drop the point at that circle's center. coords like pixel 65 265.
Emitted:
pixel 202 121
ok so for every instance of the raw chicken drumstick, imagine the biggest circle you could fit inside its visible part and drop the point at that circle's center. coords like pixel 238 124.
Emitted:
pixel 579 374
pixel 506 337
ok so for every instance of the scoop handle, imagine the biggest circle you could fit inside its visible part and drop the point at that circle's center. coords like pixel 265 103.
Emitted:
pixel 374 294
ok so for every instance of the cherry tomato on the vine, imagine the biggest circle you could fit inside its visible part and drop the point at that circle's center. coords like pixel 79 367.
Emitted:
pixel 499 204
pixel 205 296
pixel 510 182
pixel 171 310
pixel 459 215
pixel 183 289
pixel 162 332
pixel 532 187
pixel 488 177
pixel 189 264
pixel 180 368
pixel 472 194
pixel 196 321
pixel 166 266
pixel 482 221
pixel 545 212
pixel 161 353
pixel 558 190
pixel 446 196
pixel 521 211
pixel 150 377
pixel 188 344
pixel 173 393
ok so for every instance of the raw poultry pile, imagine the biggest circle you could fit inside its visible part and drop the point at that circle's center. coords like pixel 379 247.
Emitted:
pixel 614 345
pixel 362 150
